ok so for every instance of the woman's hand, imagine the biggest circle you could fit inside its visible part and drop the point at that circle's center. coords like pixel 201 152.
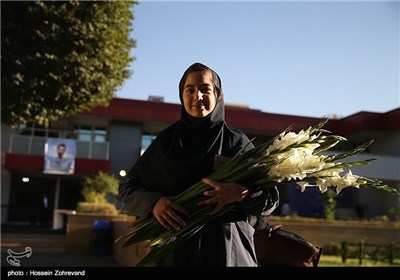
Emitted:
pixel 164 212
pixel 223 194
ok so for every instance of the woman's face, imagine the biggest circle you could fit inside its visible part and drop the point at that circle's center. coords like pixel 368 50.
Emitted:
pixel 198 95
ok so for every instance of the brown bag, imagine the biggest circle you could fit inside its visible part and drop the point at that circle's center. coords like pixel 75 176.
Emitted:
pixel 276 246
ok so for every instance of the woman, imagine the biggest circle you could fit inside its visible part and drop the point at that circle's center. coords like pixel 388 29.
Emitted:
pixel 185 153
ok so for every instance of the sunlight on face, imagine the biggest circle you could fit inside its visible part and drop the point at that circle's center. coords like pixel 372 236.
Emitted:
pixel 199 98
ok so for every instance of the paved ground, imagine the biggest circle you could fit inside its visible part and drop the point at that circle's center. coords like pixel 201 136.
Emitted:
pixel 54 260
pixel 62 260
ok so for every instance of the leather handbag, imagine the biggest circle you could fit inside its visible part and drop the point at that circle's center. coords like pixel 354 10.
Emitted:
pixel 276 246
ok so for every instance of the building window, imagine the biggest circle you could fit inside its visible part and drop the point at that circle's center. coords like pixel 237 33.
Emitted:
pixel 82 133
pixel 38 131
pixel 90 133
pixel 100 134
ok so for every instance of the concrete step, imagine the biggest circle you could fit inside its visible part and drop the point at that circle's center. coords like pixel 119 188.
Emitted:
pixel 39 243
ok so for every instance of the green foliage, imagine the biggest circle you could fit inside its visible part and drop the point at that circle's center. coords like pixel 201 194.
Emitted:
pixel 332 249
pixel 60 58
pixel 395 211
pixel 328 198
pixel 93 196
pixel 95 188
pixel 95 191
pixel 336 261
pixel 99 208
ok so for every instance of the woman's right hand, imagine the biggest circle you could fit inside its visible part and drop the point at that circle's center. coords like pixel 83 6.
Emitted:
pixel 165 213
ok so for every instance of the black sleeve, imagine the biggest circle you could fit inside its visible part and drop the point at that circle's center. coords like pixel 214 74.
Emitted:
pixel 260 202
pixel 137 200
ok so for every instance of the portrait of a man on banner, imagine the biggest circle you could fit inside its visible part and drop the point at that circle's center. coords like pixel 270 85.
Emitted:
pixel 59 156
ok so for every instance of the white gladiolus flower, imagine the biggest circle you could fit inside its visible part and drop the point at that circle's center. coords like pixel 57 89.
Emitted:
pixel 288 139
pixel 328 170
pixel 303 185
pixel 323 184
pixel 286 158
pixel 348 180
pixel 296 164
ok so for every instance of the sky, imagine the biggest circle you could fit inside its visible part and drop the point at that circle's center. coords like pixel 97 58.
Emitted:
pixel 303 58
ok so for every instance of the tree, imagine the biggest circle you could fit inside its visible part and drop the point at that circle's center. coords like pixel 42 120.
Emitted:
pixel 328 198
pixel 97 191
pixel 60 58
pixel 95 188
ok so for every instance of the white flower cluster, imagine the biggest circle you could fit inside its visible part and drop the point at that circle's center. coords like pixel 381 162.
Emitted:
pixel 298 161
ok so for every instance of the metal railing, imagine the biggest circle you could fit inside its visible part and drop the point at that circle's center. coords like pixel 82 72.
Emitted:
pixel 377 252
pixel 34 145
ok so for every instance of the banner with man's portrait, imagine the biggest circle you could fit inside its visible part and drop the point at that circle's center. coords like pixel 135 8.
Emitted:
pixel 59 156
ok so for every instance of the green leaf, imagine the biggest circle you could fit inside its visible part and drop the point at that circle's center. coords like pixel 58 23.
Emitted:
pixel 60 58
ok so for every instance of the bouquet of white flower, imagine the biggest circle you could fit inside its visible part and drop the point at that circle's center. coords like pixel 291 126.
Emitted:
pixel 288 157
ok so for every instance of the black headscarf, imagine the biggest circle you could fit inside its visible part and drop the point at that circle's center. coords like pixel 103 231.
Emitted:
pixel 184 152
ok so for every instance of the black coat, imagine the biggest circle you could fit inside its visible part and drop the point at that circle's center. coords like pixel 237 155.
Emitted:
pixel 179 157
